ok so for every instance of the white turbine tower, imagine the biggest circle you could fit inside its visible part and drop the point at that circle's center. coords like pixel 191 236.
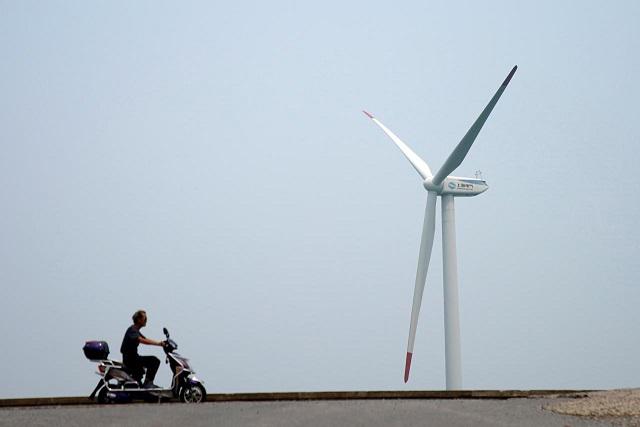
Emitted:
pixel 448 187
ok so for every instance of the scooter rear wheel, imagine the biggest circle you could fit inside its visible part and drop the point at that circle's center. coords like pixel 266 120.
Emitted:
pixel 103 396
pixel 193 393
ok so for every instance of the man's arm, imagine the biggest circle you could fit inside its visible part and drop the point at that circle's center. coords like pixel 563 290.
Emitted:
pixel 147 341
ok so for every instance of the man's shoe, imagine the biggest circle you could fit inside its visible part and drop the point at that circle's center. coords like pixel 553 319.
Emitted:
pixel 150 385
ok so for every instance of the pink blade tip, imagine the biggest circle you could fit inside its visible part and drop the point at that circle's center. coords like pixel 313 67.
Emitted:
pixel 407 366
pixel 368 114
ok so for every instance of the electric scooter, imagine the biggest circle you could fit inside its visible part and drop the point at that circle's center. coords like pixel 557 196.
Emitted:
pixel 116 385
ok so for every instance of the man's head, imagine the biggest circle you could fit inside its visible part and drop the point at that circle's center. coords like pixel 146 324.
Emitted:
pixel 140 318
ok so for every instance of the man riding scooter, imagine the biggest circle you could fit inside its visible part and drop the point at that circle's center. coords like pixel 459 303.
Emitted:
pixel 135 363
pixel 121 382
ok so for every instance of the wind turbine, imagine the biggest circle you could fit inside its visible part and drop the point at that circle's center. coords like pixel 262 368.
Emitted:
pixel 448 187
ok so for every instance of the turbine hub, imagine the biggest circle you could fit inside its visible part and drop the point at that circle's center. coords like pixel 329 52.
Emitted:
pixel 430 186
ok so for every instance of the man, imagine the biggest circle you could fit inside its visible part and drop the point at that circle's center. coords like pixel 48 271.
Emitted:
pixel 135 363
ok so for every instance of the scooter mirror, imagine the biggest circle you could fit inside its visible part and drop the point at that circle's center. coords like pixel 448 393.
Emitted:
pixel 166 333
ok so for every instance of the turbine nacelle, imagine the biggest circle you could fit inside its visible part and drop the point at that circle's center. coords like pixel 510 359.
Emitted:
pixel 457 186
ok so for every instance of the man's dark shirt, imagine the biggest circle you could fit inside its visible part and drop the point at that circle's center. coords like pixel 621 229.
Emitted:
pixel 131 341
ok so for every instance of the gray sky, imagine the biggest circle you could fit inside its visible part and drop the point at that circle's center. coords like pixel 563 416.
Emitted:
pixel 210 163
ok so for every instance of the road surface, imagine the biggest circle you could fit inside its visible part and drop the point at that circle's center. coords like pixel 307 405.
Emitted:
pixel 383 412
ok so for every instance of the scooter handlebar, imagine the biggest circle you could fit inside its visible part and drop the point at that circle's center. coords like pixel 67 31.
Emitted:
pixel 169 345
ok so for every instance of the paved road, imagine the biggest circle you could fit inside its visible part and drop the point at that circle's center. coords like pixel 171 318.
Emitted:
pixel 451 413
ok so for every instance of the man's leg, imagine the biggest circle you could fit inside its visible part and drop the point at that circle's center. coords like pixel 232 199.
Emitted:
pixel 134 367
pixel 151 363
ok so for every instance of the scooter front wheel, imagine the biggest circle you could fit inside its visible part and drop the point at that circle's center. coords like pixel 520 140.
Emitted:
pixel 193 393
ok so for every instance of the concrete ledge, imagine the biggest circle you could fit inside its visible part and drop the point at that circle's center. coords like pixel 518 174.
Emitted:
pixel 326 395
pixel 44 401
pixel 391 394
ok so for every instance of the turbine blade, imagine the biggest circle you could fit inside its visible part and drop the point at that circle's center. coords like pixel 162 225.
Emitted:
pixel 459 153
pixel 426 244
pixel 420 165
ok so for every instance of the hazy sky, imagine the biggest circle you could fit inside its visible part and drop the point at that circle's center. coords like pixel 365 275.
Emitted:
pixel 209 162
